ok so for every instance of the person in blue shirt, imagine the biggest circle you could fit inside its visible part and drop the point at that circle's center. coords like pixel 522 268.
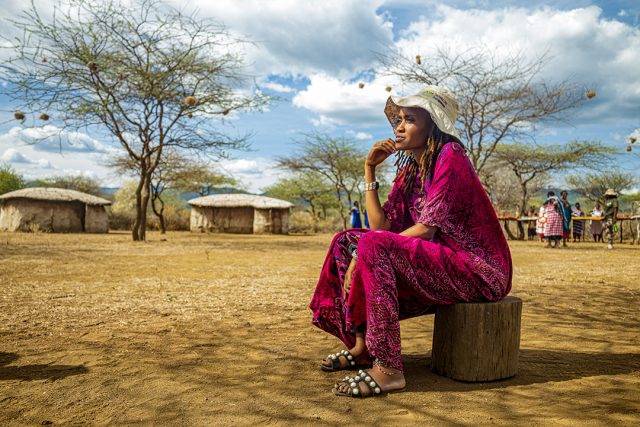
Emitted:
pixel 356 221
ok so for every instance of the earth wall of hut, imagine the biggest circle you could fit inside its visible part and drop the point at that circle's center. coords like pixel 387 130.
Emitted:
pixel 21 214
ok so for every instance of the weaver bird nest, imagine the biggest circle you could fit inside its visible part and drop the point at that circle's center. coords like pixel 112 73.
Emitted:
pixel 418 60
pixel 591 94
pixel 628 148
pixel 92 66
pixel 388 88
pixel 190 100
pixel 190 115
pixel 18 115
pixel 44 59
pixel 361 85
pixel 44 116
pixel 632 139
pixel 225 112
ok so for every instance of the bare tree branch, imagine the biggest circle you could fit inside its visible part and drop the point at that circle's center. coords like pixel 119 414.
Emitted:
pixel 500 98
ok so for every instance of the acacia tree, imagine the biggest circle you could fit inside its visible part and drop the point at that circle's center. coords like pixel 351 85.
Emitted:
pixel 593 185
pixel 532 164
pixel 308 187
pixel 175 173
pixel 339 160
pixel 501 98
pixel 203 178
pixel 77 182
pixel 141 74
pixel 10 179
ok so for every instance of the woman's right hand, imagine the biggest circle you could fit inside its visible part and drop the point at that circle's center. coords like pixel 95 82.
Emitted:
pixel 380 151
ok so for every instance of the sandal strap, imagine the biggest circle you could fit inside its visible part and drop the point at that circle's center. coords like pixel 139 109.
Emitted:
pixel 354 386
pixel 335 359
pixel 373 385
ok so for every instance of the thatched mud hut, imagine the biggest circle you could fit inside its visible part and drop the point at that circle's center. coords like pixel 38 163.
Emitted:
pixel 53 209
pixel 239 213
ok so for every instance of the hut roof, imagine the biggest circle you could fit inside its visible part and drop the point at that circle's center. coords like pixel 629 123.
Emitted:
pixel 56 195
pixel 240 200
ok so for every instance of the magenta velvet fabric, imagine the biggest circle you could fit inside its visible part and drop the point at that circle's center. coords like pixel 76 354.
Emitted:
pixel 398 277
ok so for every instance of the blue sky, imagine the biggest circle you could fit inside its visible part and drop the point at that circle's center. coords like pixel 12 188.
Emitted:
pixel 314 53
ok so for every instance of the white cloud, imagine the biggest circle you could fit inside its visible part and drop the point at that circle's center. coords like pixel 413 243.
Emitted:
pixel 52 139
pixel 302 38
pixel 622 13
pixel 45 164
pixel 12 155
pixel 341 102
pixel 86 173
pixel 277 87
pixel 256 173
pixel 243 166
pixel 583 42
pixel 360 135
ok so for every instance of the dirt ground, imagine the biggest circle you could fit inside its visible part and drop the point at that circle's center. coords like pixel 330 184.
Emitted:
pixel 205 330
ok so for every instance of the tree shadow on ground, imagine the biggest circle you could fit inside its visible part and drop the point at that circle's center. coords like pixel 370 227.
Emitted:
pixel 49 372
pixel 534 367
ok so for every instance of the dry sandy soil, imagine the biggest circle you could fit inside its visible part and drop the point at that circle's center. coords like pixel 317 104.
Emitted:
pixel 214 330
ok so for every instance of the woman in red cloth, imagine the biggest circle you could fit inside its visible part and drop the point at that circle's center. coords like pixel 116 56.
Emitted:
pixel 436 241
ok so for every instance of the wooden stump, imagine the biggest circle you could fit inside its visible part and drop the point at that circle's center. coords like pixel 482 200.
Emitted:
pixel 477 341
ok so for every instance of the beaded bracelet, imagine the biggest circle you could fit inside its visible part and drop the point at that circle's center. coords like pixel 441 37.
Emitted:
pixel 372 186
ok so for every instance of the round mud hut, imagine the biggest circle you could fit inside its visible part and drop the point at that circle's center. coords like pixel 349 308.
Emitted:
pixel 239 213
pixel 53 209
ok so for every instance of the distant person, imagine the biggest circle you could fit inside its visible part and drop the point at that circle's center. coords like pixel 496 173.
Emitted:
pixel 610 215
pixel 531 224
pixel 541 222
pixel 596 224
pixel 553 225
pixel 578 225
pixel 565 208
pixel 366 219
pixel 356 221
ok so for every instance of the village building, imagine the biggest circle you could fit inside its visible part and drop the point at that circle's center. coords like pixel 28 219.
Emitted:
pixel 239 213
pixel 53 209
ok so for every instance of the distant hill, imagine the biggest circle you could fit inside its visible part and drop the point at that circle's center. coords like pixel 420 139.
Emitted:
pixel 111 191
pixel 572 196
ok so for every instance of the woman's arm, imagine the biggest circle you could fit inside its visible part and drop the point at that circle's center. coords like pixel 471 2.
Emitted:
pixel 421 231
pixel 377 218
pixel 379 153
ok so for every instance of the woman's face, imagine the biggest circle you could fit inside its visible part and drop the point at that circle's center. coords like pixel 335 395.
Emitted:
pixel 414 125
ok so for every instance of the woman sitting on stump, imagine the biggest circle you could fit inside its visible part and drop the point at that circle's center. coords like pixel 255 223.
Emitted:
pixel 436 241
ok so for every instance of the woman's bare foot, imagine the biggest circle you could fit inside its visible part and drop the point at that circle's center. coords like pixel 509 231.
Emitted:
pixel 385 381
pixel 359 352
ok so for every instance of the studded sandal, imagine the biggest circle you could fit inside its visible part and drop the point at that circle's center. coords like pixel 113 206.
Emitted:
pixel 356 391
pixel 335 362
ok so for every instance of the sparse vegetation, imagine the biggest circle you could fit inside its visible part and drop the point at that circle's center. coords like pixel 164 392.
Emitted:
pixel 10 179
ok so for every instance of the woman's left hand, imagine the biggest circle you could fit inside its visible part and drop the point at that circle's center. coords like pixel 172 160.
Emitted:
pixel 348 277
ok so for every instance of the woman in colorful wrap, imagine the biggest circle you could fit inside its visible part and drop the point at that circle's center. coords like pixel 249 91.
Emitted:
pixel 553 228
pixel 578 224
pixel 596 224
pixel 436 241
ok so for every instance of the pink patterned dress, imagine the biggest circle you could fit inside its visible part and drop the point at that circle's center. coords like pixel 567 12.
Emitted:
pixel 398 277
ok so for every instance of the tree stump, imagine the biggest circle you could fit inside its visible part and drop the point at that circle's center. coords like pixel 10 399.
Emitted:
pixel 477 341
